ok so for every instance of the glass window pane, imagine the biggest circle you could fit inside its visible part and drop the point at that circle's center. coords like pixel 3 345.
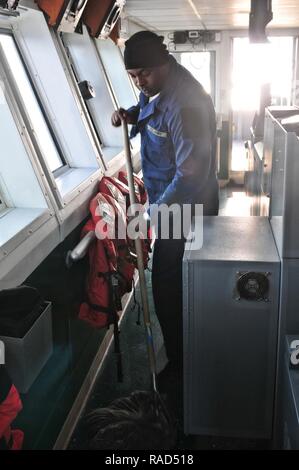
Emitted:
pixel 38 122
pixel 18 184
pixel 87 66
pixel 257 64
pixel 115 69
pixel 199 64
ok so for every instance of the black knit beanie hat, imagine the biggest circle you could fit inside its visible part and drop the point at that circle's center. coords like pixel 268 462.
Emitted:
pixel 145 50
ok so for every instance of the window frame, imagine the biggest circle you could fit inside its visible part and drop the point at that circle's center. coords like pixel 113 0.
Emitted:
pixel 66 182
pixel 17 115
pixel 107 75
pixel 70 70
pixel 75 80
pixel 75 74
pixel 36 218
pixel 212 69
pixel 21 115
pixel 41 229
pixel 64 165
pixel 109 152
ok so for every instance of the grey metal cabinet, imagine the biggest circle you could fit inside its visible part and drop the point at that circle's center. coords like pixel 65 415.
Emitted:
pixel 231 295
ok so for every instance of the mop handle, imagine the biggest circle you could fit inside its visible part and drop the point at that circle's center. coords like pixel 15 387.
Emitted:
pixel 143 290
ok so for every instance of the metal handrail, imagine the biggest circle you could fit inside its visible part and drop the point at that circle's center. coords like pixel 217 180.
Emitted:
pixel 80 250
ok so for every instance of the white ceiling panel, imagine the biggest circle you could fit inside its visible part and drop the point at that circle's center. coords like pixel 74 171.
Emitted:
pixel 167 15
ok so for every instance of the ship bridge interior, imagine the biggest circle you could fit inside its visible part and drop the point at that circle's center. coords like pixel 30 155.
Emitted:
pixel 62 76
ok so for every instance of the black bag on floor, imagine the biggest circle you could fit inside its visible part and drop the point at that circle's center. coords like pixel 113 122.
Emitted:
pixel 19 308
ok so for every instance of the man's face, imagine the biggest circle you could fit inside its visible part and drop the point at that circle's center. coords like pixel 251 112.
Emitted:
pixel 150 81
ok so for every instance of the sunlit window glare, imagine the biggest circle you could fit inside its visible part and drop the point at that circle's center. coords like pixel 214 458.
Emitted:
pixel 198 63
pixel 238 204
pixel 256 64
pixel 38 122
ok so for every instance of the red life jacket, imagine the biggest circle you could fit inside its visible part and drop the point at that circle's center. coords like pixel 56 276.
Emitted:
pixel 98 309
pixel 123 246
pixel 110 276
pixel 111 263
pixel 10 406
pixel 104 286
pixel 122 187
pixel 141 194
pixel 116 189
pixel 138 184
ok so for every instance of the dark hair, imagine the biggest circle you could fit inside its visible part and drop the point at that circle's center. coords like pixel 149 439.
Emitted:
pixel 137 422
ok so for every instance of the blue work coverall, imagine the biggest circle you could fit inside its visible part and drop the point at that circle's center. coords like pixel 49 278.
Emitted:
pixel 178 152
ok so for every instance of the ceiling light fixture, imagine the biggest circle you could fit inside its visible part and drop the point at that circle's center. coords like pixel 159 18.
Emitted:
pixel 191 3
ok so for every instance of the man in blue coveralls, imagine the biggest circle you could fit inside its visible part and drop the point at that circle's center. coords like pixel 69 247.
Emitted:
pixel 176 120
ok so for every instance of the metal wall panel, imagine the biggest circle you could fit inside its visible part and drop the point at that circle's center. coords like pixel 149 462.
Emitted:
pixel 284 209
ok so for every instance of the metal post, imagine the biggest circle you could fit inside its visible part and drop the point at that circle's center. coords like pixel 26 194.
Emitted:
pixel 143 290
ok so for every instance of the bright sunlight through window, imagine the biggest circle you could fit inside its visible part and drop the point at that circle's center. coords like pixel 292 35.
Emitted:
pixel 256 64
pixel 38 122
